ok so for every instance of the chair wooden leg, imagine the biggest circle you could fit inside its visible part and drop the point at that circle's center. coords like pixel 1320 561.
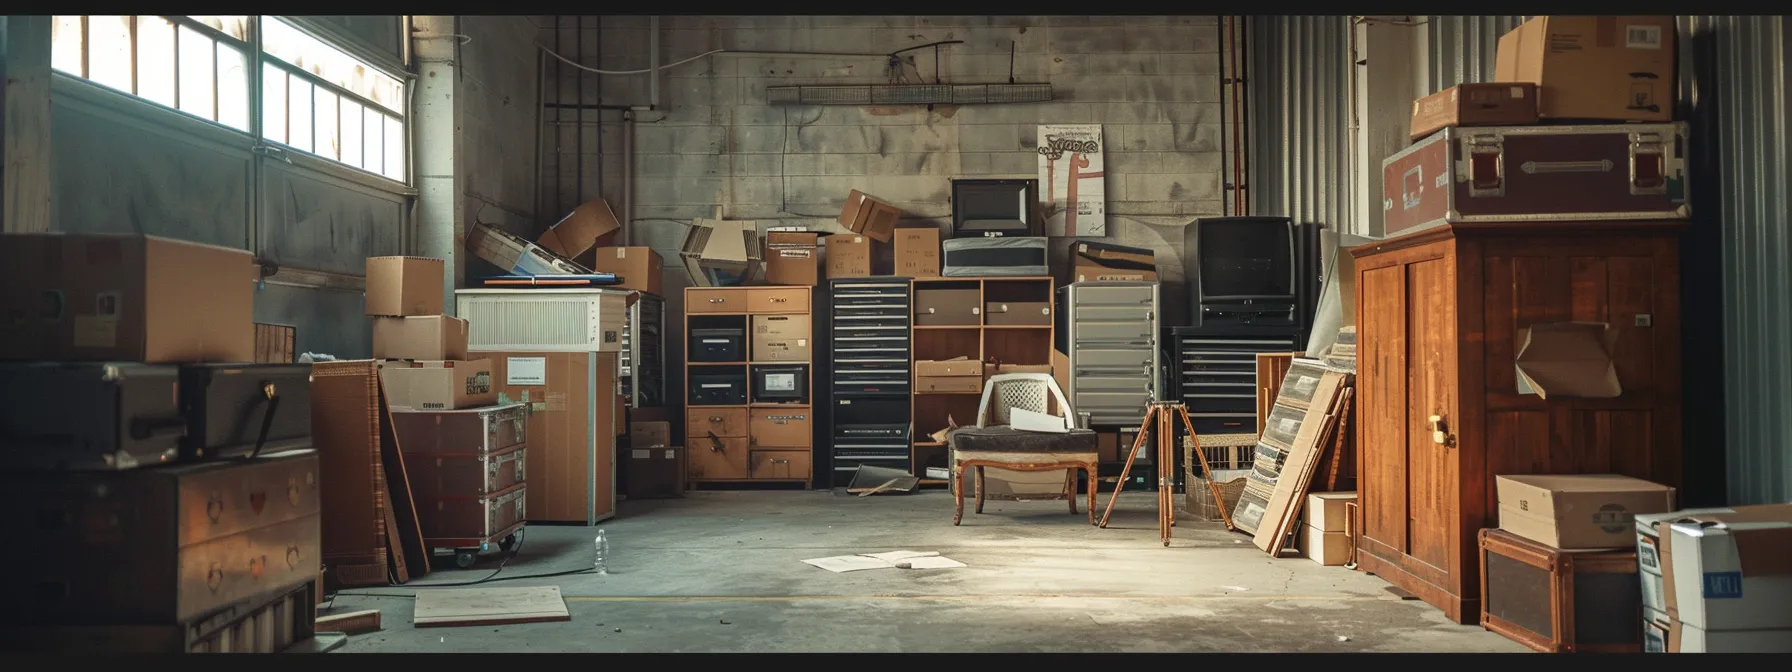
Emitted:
pixel 957 493
pixel 1089 472
pixel 1070 489
pixel 979 469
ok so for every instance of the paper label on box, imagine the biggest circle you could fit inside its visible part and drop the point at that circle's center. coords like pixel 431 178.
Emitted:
pixel 479 383
pixel 1722 586
pixel 95 332
pixel 1517 92
pixel 1642 37
pixel 526 371
pixel 671 454
pixel 641 454
pixel 802 342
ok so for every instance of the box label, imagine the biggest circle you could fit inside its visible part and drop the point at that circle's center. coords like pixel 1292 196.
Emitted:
pixel 641 454
pixel 670 454
pixel 479 383
pixel 1614 518
pixel 526 371
pixel 95 332
pixel 1722 586
pixel 1642 37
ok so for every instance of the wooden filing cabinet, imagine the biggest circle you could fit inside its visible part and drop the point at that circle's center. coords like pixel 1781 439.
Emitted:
pixel 767 433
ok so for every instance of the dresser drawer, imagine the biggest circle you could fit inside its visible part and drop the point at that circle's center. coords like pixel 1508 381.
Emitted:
pixel 779 300
pixel 716 301
pixel 723 459
pixel 724 422
pixel 781 428
pixel 779 464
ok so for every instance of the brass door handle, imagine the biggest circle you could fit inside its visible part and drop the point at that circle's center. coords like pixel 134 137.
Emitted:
pixel 1440 431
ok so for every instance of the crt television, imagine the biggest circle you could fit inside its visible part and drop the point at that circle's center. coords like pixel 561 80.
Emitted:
pixel 1241 258
pixel 994 208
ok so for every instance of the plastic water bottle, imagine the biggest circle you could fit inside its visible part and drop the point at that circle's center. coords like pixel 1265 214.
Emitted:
pixel 603 550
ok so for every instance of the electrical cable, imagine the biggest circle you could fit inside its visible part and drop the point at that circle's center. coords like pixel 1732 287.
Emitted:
pixel 489 578
pixel 705 54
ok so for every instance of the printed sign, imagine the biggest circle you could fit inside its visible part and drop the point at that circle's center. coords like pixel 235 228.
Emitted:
pixel 1071 183
pixel 526 371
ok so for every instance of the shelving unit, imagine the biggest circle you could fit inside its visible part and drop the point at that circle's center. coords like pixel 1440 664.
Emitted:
pixel 642 365
pixel 756 440
pixel 1027 345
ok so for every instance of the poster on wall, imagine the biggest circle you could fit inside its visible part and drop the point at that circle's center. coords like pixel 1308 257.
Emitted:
pixel 1070 180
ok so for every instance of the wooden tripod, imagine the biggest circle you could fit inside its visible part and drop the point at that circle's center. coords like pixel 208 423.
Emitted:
pixel 1159 412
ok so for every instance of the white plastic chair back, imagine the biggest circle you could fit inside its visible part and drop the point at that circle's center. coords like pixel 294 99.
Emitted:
pixel 1019 390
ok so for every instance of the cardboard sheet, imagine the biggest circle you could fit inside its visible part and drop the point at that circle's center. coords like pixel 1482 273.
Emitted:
pixel 1567 359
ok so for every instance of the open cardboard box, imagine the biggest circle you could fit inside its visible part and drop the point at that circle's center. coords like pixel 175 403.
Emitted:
pixel 1567 359
pixel 588 226
pixel 516 256
pixel 721 253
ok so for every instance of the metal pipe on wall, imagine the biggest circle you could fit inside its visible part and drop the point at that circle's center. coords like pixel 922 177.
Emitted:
pixel 541 75
pixel 1227 187
pixel 653 62
pixel 578 143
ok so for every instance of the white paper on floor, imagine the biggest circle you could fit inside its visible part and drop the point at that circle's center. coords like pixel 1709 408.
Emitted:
pixel 885 560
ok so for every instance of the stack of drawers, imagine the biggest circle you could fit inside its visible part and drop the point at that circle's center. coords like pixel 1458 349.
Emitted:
pixel 467 470
pixel 740 444
pixel 641 365
pixel 1108 330
pixel 871 377
pixel 1217 376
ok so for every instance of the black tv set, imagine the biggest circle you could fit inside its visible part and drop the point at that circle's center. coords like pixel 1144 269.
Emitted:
pixel 1241 259
pixel 993 207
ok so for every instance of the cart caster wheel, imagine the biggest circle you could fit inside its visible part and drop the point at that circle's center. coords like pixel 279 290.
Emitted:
pixel 507 543
pixel 464 559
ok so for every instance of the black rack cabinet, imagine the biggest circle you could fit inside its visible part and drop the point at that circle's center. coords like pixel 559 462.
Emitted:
pixel 872 374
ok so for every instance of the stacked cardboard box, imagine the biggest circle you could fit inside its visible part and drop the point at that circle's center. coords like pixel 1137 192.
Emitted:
pixel 1327 539
pixel 426 365
pixel 1717 580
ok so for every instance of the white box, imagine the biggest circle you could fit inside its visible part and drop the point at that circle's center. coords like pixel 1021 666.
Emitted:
pixel 1325 510
pixel 1731 575
pixel 1331 549
pixel 1681 638
pixel 543 320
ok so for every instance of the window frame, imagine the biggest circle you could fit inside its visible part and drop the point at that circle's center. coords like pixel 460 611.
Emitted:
pixel 255 58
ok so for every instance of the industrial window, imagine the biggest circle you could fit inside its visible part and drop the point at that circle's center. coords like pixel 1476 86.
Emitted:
pixel 319 99
pixel 195 64
pixel 314 97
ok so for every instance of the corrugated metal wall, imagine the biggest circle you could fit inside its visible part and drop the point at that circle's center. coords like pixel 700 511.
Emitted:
pixel 1461 48
pixel 1735 88
pixel 1298 92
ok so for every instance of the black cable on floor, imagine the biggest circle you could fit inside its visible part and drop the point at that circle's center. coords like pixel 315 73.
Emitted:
pixel 489 578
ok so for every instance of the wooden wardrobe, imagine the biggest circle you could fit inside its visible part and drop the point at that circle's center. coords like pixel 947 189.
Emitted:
pixel 1436 314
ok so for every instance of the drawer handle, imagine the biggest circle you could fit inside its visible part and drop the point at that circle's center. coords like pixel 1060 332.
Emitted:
pixel 214 577
pixel 258 501
pixel 292 491
pixel 717 300
pixel 292 557
pixel 715 418
pixel 257 565
pixel 214 509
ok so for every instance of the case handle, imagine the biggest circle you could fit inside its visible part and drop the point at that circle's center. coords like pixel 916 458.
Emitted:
pixel 267 419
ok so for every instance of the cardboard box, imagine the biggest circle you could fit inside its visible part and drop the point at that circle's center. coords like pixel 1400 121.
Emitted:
pixel 1476 104
pixel 1331 549
pixel 1107 262
pixel 1682 638
pixel 649 434
pixel 638 268
pixel 573 460
pixel 1649 552
pixel 721 253
pixel 849 257
pixel 948 306
pixel 515 256
pixel 1611 68
pixel 588 226
pixel 793 258
pixel 1325 510
pixel 918 252
pixel 869 216
pixel 1731 571
pixel 780 338
pixel 428 337
pixel 950 367
pixel 1575 512
pixel 1567 359
pixel 404 286
pixel 1018 313
pixel 128 298
pixel 655 473
pixel 437 385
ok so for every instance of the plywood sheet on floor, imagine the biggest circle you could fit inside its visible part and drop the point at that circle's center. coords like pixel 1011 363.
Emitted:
pixel 489 606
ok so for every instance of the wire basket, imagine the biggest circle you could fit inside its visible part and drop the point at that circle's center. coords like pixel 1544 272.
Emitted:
pixel 1199 500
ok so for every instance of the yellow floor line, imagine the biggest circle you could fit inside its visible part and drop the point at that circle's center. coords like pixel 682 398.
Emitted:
pixel 948 598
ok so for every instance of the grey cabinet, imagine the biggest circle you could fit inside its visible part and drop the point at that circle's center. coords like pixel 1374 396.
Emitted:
pixel 1108 330
pixel 641 365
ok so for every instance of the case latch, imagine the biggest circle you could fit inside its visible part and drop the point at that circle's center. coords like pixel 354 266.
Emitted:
pixel 1486 165
pixel 1648 165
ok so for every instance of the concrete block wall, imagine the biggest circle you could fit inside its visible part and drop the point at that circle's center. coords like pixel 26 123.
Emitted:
pixel 497 114
pixel 714 143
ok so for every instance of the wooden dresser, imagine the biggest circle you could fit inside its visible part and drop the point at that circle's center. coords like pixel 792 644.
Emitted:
pixel 1438 313
pixel 767 433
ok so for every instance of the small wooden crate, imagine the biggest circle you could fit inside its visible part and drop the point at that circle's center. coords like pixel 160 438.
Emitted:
pixel 1557 601
pixel 274 343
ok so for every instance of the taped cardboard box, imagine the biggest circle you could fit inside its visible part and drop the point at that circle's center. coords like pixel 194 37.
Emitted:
pixel 793 257
pixel 1581 511
pixel 849 257
pixel 1107 262
pixel 780 338
pixel 1730 571
pixel 515 256
pixel 1475 104
pixel 636 268
pixel 427 337
pixel 588 226
pixel 131 298
pixel 1567 359
pixel 918 252
pixel 721 253
pixel 1611 68
pixel 437 385
pixel 868 216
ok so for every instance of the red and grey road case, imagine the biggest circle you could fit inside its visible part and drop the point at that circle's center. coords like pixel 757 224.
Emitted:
pixel 1537 173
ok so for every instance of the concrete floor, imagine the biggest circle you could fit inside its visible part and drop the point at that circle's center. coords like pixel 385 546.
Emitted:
pixel 722 572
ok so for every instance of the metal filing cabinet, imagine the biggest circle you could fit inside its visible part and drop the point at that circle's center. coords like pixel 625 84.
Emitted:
pixel 1108 330
pixel 1217 374
pixel 641 366
pixel 872 374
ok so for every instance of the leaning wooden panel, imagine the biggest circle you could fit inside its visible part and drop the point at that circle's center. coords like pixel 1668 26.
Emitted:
pixel 1558 601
